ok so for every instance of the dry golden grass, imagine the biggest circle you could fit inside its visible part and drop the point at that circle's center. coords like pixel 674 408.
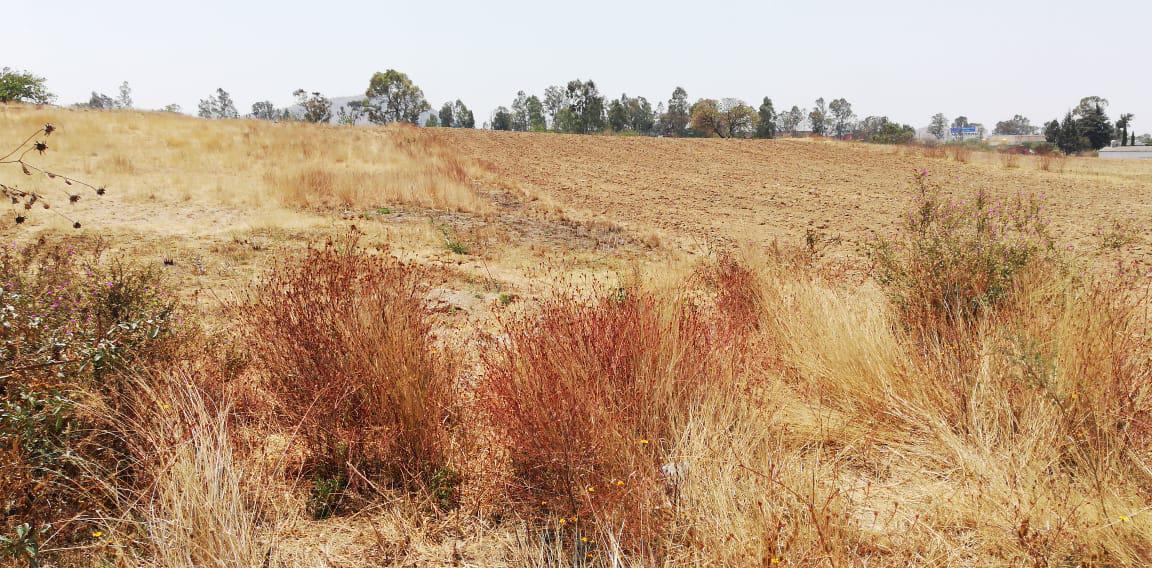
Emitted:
pixel 840 435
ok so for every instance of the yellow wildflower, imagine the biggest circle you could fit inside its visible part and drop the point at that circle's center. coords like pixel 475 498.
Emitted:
pixel 97 534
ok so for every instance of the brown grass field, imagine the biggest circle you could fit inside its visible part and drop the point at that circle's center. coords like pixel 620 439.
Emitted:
pixel 560 350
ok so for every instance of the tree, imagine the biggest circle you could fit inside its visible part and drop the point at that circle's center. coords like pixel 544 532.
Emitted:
pixel 536 120
pixel 555 101
pixel 264 110
pixel 881 130
pixel 842 117
pixel 1122 125
pixel 1095 126
pixel 1070 140
pixel 393 97
pixel 1052 132
pixel 678 116
pixel 939 126
pixel 818 118
pixel 502 119
pixel 520 112
pixel 351 113
pixel 100 101
pixel 316 107
pixel 641 119
pixel 23 87
pixel 172 108
pixel 1132 140
pixel 789 121
pixel 1016 126
pixel 727 118
pixel 125 98
pixel 1088 105
pixel 586 107
pixel 462 117
pixel 433 121
pixel 218 105
pixel 618 114
pixel 766 127
pixel 446 118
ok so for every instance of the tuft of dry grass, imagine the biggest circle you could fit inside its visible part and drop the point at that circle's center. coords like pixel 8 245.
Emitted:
pixel 591 398
pixel 352 367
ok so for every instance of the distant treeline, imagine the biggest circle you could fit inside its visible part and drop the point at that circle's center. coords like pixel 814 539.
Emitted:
pixel 579 108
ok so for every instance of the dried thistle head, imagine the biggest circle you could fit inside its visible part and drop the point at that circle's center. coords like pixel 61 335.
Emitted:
pixel 49 129
pixel 40 147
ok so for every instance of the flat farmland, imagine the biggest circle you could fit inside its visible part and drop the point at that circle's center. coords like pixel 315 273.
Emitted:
pixel 758 191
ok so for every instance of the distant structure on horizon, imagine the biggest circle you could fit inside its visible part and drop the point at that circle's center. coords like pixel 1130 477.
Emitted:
pixel 1126 153
pixel 1013 139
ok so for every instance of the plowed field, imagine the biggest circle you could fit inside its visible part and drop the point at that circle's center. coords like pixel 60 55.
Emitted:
pixel 760 190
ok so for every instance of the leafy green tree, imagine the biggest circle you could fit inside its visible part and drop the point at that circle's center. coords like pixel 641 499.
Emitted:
pixel 351 113
pixel 393 97
pixel 618 114
pixel 265 110
pixel 125 98
pixel 555 101
pixel 1070 140
pixel 446 118
pixel 462 117
pixel 727 118
pixel 586 105
pixel 842 116
pixel 1018 125
pixel 218 105
pixel 1095 126
pixel 1052 132
pixel 939 126
pixel 520 112
pixel 679 113
pixel 1088 106
pixel 881 130
pixel 536 120
pixel 502 119
pixel 315 107
pixel 790 120
pixel 172 108
pixel 433 121
pixel 766 127
pixel 818 118
pixel 641 119
pixel 23 87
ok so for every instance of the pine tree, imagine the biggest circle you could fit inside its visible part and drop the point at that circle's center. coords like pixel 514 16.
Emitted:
pixel 1052 132
pixel 1070 140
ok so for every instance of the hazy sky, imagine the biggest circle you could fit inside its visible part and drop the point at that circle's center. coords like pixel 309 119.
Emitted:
pixel 987 59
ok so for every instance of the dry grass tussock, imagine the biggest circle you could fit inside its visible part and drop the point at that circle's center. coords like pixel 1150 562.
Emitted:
pixel 251 163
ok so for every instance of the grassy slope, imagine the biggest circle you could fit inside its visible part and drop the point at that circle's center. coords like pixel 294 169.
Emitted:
pixel 853 444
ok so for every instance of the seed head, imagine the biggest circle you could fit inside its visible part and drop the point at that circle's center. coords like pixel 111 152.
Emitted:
pixel 76 225
pixel 40 146
pixel 20 219
pixel 49 129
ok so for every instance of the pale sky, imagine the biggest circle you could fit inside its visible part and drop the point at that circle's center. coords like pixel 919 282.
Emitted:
pixel 987 59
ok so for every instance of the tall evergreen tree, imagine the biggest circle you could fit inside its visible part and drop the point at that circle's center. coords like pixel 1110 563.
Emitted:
pixel 1095 126
pixel 1052 132
pixel 679 113
pixel 1070 140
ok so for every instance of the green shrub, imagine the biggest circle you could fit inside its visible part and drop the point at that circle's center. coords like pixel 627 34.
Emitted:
pixel 71 325
pixel 958 257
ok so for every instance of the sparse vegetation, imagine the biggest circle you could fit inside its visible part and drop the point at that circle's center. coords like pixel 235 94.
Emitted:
pixel 357 391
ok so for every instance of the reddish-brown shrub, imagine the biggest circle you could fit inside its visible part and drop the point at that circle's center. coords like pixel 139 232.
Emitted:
pixel 352 366
pixel 591 398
